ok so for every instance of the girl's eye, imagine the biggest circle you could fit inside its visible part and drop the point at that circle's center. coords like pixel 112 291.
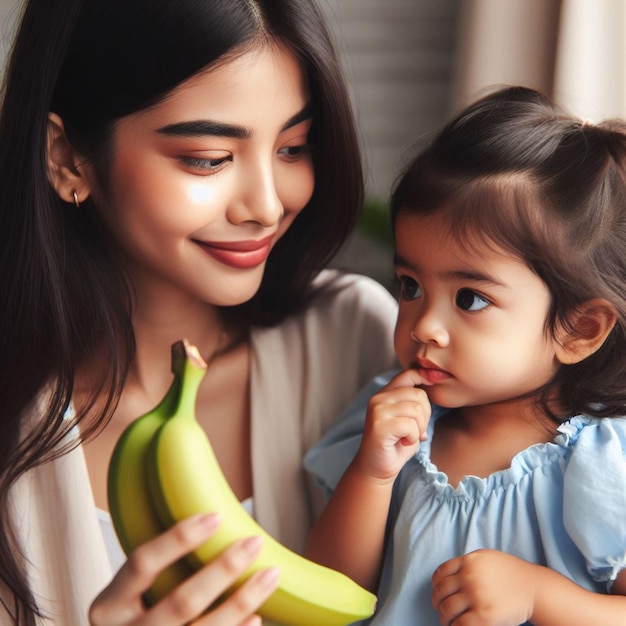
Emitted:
pixel 409 289
pixel 469 300
pixel 293 153
pixel 206 165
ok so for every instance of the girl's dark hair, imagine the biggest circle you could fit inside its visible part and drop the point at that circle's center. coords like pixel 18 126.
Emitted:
pixel 515 171
pixel 93 62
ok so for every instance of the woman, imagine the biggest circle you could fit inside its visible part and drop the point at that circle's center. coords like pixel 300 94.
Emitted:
pixel 170 170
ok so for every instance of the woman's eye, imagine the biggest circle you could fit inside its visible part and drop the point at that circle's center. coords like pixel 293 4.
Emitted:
pixel 208 165
pixel 293 153
pixel 469 300
pixel 409 289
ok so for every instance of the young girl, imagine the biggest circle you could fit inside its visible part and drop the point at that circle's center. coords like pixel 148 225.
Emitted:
pixel 510 232
pixel 170 170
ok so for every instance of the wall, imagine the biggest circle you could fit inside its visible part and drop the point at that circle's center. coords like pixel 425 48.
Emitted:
pixel 399 57
pixel 9 13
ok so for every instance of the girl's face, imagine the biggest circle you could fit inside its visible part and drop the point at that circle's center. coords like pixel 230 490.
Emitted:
pixel 203 184
pixel 472 322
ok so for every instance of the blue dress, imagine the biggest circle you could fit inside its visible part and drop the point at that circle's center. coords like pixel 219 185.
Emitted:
pixel 561 504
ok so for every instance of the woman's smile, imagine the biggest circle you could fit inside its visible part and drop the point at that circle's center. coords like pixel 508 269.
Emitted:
pixel 238 254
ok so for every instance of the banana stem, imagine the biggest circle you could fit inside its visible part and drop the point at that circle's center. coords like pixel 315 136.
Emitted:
pixel 189 369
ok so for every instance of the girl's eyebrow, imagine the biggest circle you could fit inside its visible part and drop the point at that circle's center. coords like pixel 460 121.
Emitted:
pixel 210 128
pixel 452 275
pixel 474 276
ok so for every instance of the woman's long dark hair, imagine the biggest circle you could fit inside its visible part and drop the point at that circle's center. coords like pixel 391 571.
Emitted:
pixel 93 62
pixel 515 170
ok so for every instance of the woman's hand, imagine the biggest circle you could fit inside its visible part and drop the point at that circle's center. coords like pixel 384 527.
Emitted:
pixel 120 604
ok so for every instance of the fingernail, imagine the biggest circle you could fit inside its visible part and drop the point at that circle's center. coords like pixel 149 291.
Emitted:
pixel 268 577
pixel 252 545
pixel 209 521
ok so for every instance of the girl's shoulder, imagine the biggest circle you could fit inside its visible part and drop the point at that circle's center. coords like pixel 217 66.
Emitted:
pixel 594 491
pixel 587 436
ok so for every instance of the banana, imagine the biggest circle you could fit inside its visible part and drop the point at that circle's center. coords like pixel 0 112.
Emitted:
pixel 132 512
pixel 184 478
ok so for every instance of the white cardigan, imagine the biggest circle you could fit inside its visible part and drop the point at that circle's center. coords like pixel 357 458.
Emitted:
pixel 303 373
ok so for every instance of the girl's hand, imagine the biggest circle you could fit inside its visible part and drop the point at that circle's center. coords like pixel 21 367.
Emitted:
pixel 396 422
pixel 120 604
pixel 485 588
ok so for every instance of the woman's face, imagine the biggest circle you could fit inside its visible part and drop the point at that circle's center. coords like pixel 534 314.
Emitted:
pixel 203 184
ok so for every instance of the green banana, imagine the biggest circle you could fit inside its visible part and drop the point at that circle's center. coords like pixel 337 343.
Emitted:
pixel 181 477
pixel 133 514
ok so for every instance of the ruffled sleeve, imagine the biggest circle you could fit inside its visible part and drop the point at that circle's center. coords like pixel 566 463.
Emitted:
pixel 327 460
pixel 594 497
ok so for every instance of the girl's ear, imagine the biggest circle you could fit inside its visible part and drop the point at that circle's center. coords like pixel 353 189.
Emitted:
pixel 65 167
pixel 587 329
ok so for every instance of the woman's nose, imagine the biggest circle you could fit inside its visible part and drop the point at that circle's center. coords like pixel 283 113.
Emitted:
pixel 257 199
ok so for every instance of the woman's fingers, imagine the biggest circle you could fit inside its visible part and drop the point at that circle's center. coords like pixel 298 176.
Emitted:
pixel 121 602
pixel 192 598
pixel 239 606
pixel 151 558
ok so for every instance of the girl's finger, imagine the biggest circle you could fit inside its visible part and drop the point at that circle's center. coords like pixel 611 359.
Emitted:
pixel 405 429
pixel 447 568
pixel 444 588
pixel 407 378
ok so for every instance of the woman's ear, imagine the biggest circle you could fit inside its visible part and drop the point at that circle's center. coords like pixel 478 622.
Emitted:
pixel 587 329
pixel 65 167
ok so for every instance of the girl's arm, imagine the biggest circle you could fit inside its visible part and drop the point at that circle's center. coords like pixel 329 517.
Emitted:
pixel 349 534
pixel 491 588
pixel 561 601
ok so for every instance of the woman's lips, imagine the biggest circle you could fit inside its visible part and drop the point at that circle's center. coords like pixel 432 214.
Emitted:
pixel 238 254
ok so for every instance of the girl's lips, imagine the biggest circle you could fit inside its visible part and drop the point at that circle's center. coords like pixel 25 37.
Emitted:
pixel 238 254
pixel 431 372
pixel 433 376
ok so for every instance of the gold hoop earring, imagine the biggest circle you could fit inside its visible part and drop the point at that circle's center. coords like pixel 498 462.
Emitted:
pixel 76 202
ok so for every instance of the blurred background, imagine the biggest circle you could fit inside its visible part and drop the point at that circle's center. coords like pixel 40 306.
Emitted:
pixel 412 63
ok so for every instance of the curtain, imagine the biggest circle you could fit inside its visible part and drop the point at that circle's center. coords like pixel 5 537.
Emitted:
pixel 572 50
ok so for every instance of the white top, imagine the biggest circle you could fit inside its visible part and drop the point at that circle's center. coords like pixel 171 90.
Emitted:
pixel 114 549
pixel 112 544
pixel 303 373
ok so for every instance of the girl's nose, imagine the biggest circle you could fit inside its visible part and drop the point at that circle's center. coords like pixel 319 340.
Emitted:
pixel 430 329
pixel 257 200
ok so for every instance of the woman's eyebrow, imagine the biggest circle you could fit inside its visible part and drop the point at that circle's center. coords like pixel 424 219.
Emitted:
pixel 204 128
pixel 211 128
pixel 303 114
